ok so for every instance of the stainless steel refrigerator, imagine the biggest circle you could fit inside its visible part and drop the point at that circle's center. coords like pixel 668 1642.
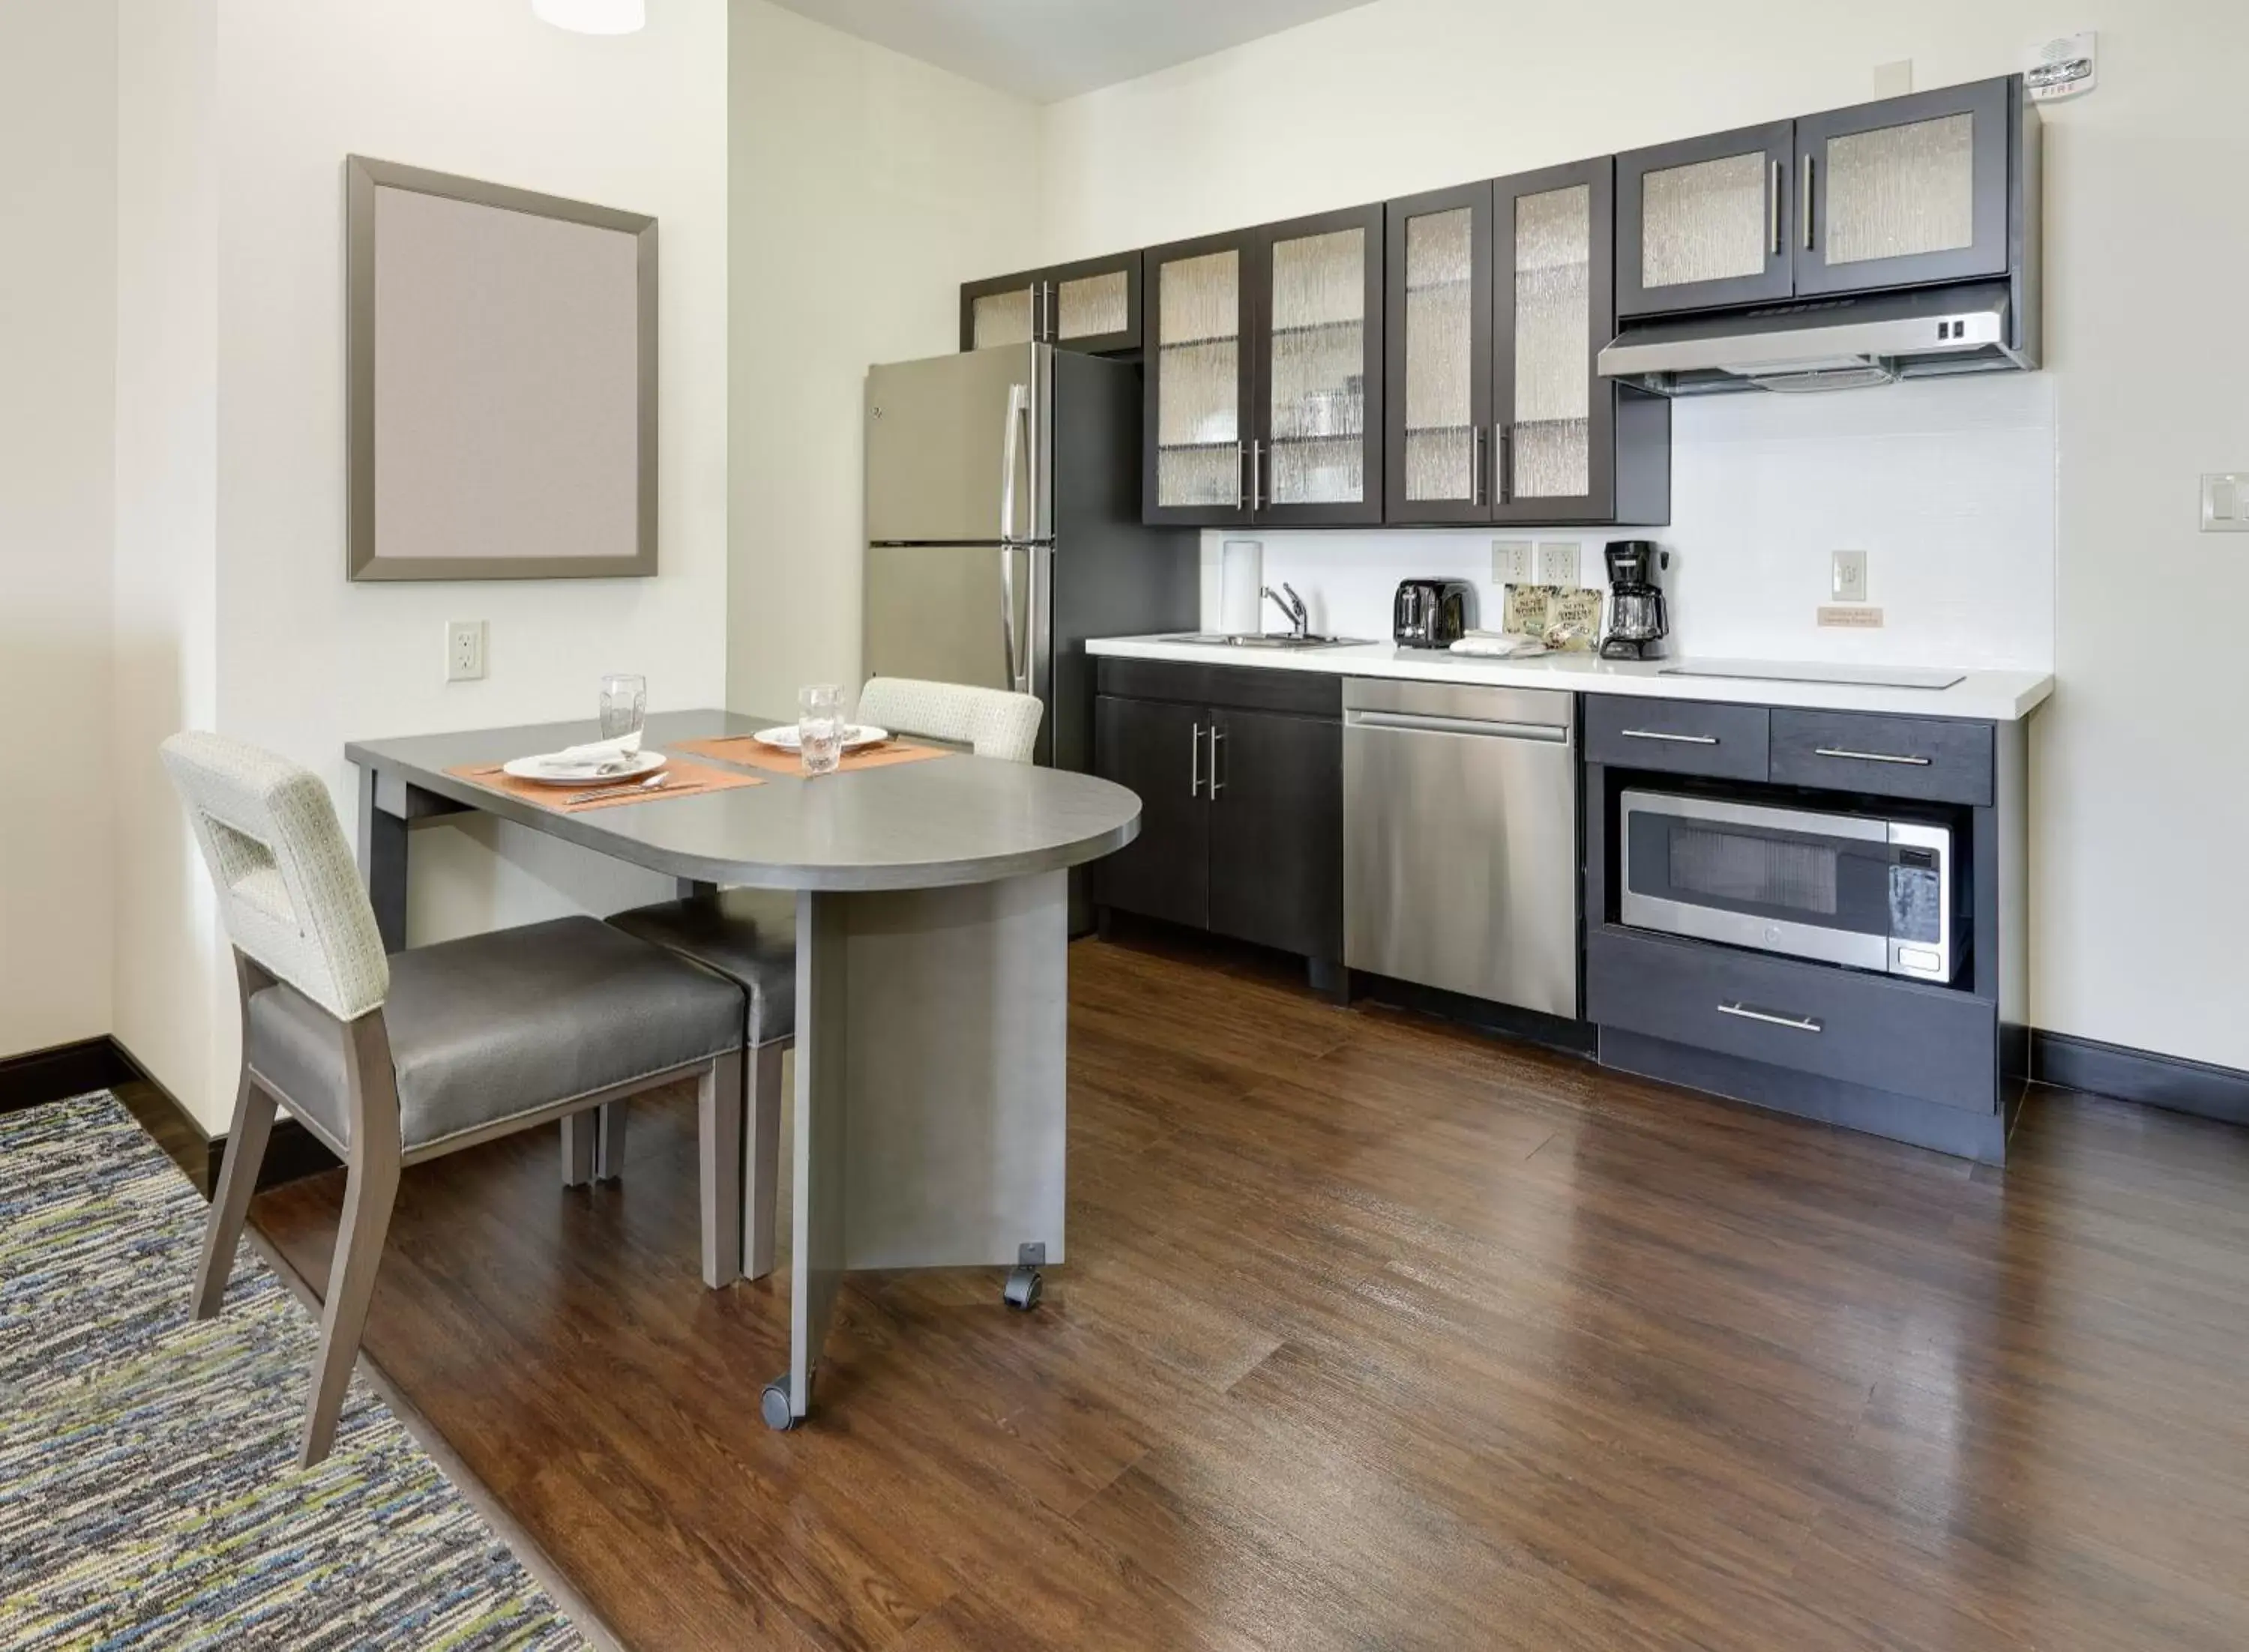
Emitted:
pixel 1003 528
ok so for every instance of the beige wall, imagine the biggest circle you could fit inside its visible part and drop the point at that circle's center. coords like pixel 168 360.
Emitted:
pixel 232 610
pixel 2139 776
pixel 866 187
pixel 57 294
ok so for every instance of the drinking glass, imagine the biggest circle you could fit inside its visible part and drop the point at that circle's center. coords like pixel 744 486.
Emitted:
pixel 820 727
pixel 624 705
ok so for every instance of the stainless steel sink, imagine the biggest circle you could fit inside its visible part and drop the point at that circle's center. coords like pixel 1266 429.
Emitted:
pixel 1262 640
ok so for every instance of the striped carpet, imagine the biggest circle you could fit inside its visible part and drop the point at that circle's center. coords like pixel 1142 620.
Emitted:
pixel 149 1495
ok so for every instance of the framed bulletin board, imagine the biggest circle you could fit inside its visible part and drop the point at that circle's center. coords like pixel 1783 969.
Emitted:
pixel 500 378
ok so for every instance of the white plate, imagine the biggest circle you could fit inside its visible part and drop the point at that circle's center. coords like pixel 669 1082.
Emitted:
pixel 543 773
pixel 855 735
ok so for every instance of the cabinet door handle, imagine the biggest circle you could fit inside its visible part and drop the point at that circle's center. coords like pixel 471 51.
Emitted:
pixel 1675 739
pixel 1195 762
pixel 1867 756
pixel 1475 464
pixel 1772 209
pixel 1807 202
pixel 1256 476
pixel 1241 475
pixel 1793 1023
pixel 1216 784
pixel 1503 462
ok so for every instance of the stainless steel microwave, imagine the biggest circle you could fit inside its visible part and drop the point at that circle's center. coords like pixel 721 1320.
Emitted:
pixel 1849 889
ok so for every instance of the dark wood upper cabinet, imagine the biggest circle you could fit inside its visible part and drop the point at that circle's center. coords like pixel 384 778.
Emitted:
pixel 1906 191
pixel 1199 321
pixel 1706 222
pixel 1437 374
pixel 1264 386
pixel 1092 304
pixel 1499 301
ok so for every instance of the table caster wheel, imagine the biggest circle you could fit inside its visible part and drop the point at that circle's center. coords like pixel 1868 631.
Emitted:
pixel 1023 1292
pixel 773 1406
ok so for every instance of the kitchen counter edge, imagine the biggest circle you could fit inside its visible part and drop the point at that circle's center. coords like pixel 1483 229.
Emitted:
pixel 1995 696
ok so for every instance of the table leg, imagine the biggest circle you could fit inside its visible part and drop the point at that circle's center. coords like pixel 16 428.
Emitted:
pixel 932 1039
pixel 383 862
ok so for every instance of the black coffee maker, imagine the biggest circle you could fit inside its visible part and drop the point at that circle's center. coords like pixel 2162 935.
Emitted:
pixel 1637 625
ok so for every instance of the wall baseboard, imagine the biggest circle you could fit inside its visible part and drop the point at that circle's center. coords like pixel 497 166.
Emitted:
pixel 2167 1081
pixel 66 1070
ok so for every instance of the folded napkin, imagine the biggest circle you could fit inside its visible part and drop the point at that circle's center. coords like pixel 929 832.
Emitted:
pixel 1499 645
pixel 597 755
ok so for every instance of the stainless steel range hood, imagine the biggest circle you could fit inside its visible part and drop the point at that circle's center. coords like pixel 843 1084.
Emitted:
pixel 1823 344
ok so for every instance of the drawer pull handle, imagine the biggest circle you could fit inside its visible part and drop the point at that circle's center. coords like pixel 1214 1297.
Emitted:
pixel 1676 739
pixel 1867 756
pixel 1796 1022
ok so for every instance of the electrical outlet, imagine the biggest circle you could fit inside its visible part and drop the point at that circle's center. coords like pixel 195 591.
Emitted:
pixel 1510 561
pixel 1847 576
pixel 2225 503
pixel 1557 562
pixel 464 650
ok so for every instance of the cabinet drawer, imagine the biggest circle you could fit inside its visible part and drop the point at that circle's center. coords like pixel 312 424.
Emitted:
pixel 1243 688
pixel 1680 737
pixel 1931 757
pixel 1899 1036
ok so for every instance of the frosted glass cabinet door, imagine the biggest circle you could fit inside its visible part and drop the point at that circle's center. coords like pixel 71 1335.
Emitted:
pixel 1196 320
pixel 1093 305
pixel 1438 290
pixel 1552 287
pixel 1909 190
pixel 1706 222
pixel 1317 450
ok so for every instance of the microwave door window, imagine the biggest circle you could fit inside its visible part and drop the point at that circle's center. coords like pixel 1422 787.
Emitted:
pixel 1751 870
pixel 1799 877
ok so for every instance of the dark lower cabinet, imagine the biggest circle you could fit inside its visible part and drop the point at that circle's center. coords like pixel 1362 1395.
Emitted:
pixel 1241 814
pixel 1147 747
pixel 1275 814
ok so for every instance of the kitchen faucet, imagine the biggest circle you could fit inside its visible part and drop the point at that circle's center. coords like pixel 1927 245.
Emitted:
pixel 1300 619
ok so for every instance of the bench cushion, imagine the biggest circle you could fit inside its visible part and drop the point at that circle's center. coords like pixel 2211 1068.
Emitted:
pixel 748 935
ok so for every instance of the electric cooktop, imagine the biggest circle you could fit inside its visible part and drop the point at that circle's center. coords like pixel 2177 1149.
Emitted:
pixel 1861 676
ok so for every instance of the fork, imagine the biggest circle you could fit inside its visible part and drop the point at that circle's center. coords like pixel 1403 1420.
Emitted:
pixel 654 782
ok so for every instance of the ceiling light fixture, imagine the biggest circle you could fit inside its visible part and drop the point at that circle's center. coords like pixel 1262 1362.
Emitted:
pixel 593 16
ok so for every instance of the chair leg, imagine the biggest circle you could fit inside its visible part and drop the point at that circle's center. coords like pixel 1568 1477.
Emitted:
pixel 718 1126
pixel 237 1180
pixel 368 1195
pixel 578 1132
pixel 609 1140
pixel 760 1216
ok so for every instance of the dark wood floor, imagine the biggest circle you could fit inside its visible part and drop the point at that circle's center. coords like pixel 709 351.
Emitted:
pixel 1377 1334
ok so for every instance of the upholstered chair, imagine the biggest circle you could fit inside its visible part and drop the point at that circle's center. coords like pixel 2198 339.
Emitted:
pixel 393 1060
pixel 749 935
pixel 991 722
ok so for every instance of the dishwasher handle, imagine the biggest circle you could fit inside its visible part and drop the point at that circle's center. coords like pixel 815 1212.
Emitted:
pixel 1431 722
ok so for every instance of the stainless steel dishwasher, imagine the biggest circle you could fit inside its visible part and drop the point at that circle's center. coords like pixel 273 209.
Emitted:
pixel 1460 865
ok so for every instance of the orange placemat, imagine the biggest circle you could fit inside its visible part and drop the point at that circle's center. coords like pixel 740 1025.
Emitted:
pixel 741 748
pixel 688 780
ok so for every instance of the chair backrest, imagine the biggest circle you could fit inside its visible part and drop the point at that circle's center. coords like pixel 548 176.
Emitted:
pixel 991 722
pixel 286 879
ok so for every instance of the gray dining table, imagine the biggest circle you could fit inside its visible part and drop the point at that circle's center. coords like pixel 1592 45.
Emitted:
pixel 932 971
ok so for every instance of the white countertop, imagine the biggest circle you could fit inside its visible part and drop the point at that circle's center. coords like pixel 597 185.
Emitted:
pixel 1999 697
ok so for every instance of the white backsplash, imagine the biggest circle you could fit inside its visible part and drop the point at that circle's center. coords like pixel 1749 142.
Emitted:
pixel 1948 486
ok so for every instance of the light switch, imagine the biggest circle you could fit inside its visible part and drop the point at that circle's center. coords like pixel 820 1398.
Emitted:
pixel 1557 562
pixel 1847 576
pixel 1510 561
pixel 2225 503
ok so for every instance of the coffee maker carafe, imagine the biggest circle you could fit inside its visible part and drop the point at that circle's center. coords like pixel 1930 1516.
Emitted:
pixel 1637 624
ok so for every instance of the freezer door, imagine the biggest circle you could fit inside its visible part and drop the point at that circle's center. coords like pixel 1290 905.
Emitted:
pixel 957 447
pixel 960 613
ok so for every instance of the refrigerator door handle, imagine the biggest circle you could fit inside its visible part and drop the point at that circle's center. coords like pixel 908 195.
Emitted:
pixel 1008 641
pixel 1019 419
